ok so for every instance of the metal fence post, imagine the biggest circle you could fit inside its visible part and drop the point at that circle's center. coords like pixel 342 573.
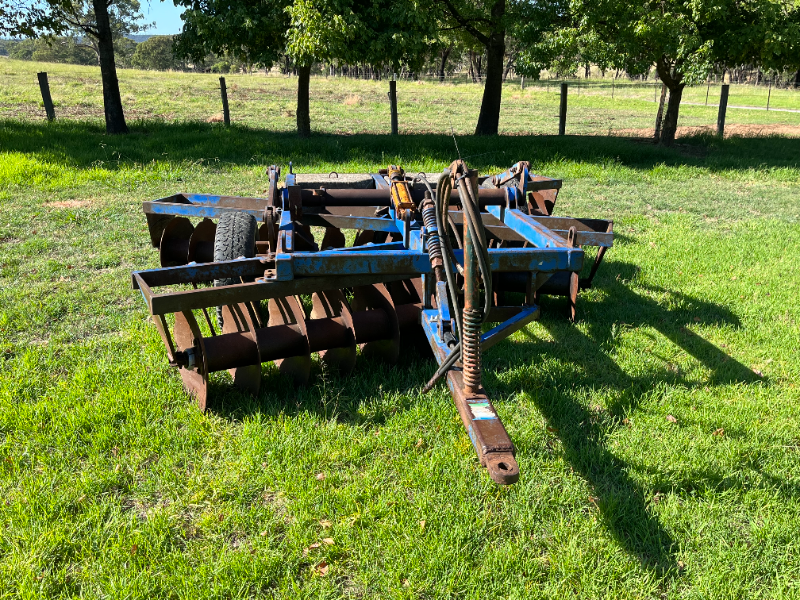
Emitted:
pixel 46 98
pixel 562 113
pixel 393 103
pixel 226 114
pixel 769 93
pixel 723 106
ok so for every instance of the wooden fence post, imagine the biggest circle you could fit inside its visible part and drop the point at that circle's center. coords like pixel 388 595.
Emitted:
pixel 393 103
pixel 226 113
pixel 723 106
pixel 46 98
pixel 562 113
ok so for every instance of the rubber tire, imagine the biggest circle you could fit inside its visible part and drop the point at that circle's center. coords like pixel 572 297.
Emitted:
pixel 235 237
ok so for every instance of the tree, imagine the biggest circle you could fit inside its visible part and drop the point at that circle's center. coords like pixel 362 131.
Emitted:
pixel 98 22
pixel 58 49
pixel 685 39
pixel 486 24
pixel 156 53
pixel 382 33
pixel 495 25
pixel 258 32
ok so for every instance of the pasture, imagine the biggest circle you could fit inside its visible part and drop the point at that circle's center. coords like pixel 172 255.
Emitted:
pixel 658 437
pixel 351 106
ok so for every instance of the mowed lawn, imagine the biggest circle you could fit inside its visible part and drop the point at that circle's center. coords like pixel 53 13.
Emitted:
pixel 658 437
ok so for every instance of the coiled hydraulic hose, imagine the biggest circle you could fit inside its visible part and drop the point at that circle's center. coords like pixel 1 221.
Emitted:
pixel 468 345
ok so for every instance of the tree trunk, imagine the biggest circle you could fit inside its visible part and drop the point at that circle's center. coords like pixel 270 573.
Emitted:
pixel 112 102
pixel 303 114
pixel 797 80
pixel 479 66
pixel 660 113
pixel 472 66
pixel 443 63
pixel 489 117
pixel 586 70
pixel 511 60
pixel 670 125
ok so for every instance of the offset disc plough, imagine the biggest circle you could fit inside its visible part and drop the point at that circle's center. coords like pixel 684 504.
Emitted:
pixel 432 260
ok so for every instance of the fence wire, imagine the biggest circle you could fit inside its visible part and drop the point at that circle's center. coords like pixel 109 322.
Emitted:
pixel 428 106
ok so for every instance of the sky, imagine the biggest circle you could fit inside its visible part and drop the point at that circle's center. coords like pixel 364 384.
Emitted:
pixel 166 15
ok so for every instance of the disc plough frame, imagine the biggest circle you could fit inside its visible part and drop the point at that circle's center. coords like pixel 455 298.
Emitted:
pixel 432 260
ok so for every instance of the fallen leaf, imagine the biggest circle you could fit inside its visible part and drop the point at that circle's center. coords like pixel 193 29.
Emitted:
pixel 325 523
pixel 594 500
pixel 134 549
pixel 757 372
pixel 552 429
pixel 263 533
pixel 626 421
pixel 734 278
pixel 419 443
pixel 328 541
pixel 422 524
pixel 322 569
pixel 406 583
pixel 652 244
pixel 697 319
pixel 657 497
pixel 313 546
pixel 671 419
pixel 769 360
pixel 320 476
pixel 719 432
pixel 681 565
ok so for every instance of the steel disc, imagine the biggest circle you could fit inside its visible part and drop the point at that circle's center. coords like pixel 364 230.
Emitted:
pixel 332 304
pixel 187 336
pixel 289 311
pixel 238 318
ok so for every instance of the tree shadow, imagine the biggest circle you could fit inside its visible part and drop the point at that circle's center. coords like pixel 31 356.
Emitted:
pixel 85 145
pixel 583 362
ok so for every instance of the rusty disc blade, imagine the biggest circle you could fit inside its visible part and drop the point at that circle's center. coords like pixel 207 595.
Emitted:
pixel 238 318
pixel 333 304
pixel 377 297
pixel 174 248
pixel 201 244
pixel 187 336
pixel 289 311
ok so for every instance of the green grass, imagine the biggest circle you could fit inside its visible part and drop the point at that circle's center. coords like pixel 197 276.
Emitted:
pixel 354 106
pixel 114 485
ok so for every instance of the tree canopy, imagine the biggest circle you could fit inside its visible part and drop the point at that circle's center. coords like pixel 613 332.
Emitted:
pixel 685 39
pixel 100 24
pixel 380 32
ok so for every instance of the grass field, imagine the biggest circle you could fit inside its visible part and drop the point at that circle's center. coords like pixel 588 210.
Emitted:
pixel 658 437
pixel 356 106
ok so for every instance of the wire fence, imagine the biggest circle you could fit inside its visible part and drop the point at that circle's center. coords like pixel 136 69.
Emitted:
pixel 596 106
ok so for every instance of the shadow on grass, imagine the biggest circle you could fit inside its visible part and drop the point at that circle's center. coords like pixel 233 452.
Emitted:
pixel 85 145
pixel 582 362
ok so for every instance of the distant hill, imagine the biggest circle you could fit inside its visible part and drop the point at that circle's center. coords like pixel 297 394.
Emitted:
pixel 138 38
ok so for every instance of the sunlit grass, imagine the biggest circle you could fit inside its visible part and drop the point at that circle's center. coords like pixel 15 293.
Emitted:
pixel 115 485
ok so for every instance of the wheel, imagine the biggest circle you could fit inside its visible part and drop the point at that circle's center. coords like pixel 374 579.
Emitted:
pixel 235 237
